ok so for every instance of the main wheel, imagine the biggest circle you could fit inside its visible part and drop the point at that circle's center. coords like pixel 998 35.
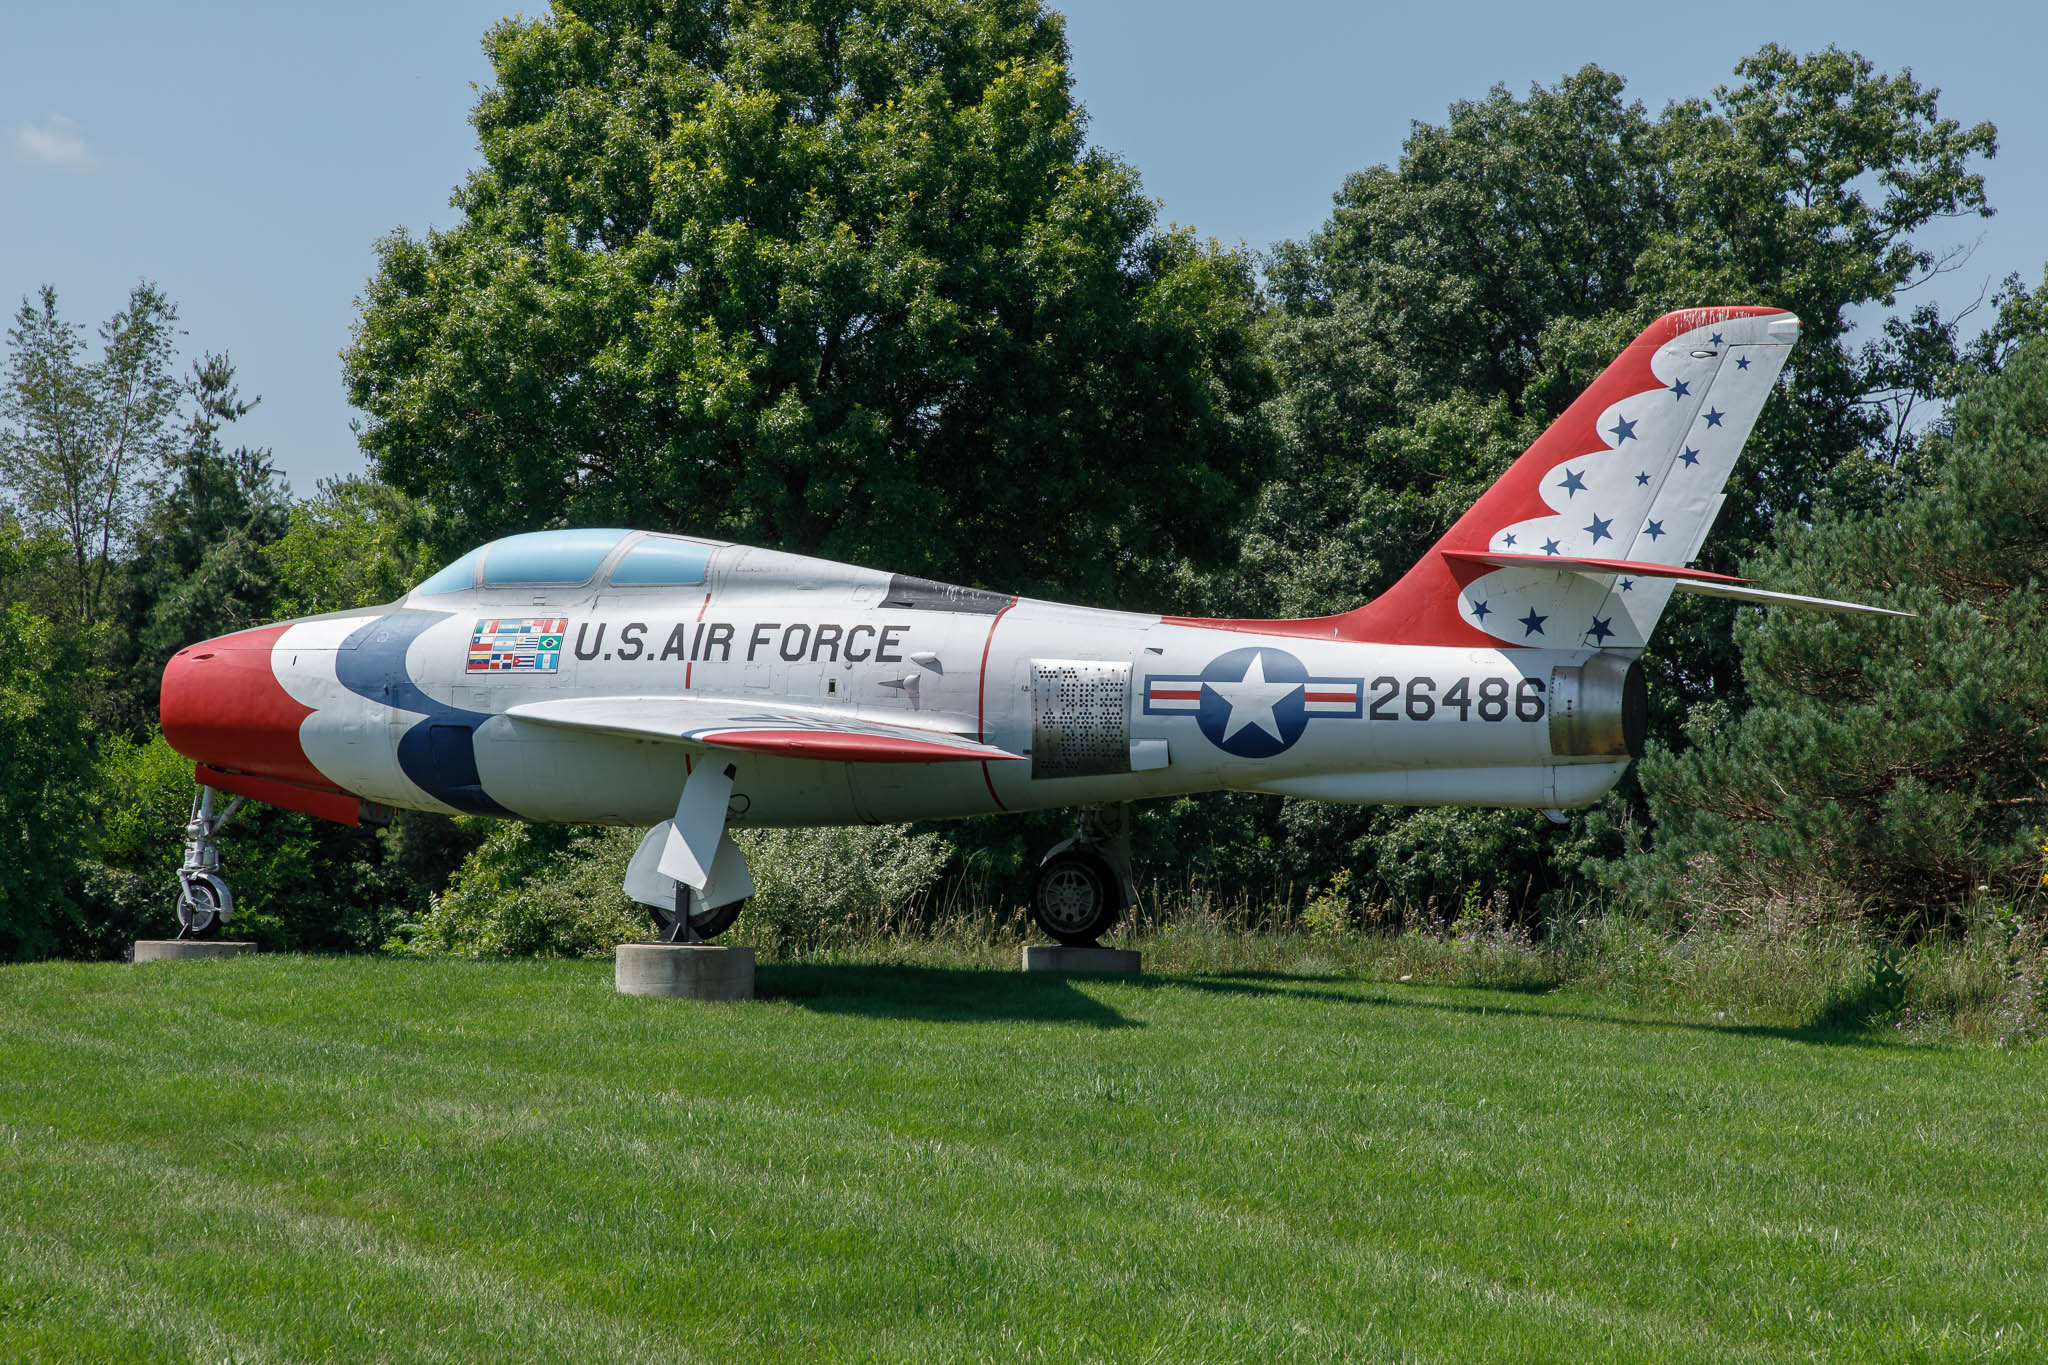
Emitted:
pixel 709 924
pixel 1075 898
pixel 203 902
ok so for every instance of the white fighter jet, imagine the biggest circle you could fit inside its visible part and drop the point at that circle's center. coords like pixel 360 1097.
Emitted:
pixel 689 685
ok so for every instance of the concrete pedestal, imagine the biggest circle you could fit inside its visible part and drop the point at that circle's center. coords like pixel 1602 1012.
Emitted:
pixel 181 949
pixel 687 971
pixel 1057 957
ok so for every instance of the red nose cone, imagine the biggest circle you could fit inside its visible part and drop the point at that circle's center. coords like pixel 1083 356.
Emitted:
pixel 222 706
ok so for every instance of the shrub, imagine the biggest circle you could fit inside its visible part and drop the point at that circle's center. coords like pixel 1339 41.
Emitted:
pixel 533 891
pixel 556 891
pixel 813 887
pixel 1328 912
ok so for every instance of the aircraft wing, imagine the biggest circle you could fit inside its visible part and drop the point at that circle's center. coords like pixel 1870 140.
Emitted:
pixel 785 731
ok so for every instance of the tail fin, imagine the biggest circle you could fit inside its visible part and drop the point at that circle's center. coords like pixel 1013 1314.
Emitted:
pixel 1579 542
pixel 1630 474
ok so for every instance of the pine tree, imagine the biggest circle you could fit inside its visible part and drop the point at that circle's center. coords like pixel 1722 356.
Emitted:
pixel 1898 763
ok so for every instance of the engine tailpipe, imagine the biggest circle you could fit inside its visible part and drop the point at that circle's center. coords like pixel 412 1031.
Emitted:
pixel 1600 709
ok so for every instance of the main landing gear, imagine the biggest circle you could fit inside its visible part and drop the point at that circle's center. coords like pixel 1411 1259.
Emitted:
pixel 1084 884
pixel 700 925
pixel 204 901
pixel 688 872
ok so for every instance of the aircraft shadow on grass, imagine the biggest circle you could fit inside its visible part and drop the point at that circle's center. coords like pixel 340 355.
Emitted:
pixel 1834 1028
pixel 959 995
pixel 938 994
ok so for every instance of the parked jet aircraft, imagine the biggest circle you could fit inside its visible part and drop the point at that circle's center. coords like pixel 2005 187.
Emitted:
pixel 635 678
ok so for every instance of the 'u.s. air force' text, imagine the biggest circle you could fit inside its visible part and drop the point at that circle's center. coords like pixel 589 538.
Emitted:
pixel 715 641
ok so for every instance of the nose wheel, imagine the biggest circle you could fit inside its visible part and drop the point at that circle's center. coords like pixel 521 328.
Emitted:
pixel 204 901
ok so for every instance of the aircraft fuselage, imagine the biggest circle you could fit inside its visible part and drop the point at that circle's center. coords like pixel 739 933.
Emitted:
pixel 417 704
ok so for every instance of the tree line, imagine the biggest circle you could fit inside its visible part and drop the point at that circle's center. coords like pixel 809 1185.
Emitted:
pixel 853 282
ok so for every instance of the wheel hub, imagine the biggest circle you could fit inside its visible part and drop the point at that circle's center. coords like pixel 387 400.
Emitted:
pixel 1070 899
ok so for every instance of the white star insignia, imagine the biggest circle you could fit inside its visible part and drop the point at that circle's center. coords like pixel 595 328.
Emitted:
pixel 1252 699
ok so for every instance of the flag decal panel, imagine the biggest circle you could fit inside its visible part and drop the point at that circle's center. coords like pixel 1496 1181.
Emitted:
pixel 517 644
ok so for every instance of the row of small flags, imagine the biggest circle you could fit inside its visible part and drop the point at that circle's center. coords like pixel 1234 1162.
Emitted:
pixel 524 644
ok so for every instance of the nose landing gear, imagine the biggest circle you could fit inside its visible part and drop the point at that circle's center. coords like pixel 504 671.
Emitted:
pixel 204 901
pixel 1085 884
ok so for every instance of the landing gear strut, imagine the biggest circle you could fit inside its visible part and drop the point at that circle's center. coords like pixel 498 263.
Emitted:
pixel 1084 884
pixel 204 901
pixel 686 924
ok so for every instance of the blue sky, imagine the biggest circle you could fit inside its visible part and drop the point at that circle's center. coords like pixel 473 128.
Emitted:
pixel 246 156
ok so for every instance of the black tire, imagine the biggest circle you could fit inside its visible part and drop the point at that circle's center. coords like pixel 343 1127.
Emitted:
pixel 199 906
pixel 709 924
pixel 1075 898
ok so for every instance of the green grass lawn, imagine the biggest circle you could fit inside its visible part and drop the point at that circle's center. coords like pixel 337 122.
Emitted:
pixel 310 1159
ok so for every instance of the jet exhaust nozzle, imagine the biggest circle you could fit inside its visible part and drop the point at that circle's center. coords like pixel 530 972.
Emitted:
pixel 1600 709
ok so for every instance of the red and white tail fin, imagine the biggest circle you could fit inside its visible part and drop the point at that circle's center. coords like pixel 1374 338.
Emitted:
pixel 1582 541
pixel 1630 475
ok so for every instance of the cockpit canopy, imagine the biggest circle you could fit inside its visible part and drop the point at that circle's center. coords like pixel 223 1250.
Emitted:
pixel 573 558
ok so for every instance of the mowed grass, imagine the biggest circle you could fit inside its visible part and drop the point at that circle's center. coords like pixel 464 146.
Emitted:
pixel 310 1159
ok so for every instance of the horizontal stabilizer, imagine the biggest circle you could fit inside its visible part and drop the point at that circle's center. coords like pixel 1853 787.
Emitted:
pixel 783 731
pixel 1681 579
pixel 1722 588
pixel 1565 564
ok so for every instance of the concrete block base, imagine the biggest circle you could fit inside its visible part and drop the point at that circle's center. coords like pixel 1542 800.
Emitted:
pixel 181 949
pixel 686 971
pixel 1057 957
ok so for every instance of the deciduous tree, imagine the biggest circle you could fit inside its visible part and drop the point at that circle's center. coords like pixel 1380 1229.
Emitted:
pixel 355 542
pixel 839 278
pixel 198 567
pixel 82 442
pixel 1456 301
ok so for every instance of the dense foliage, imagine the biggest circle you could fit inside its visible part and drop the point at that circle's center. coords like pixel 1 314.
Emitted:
pixel 198 538
pixel 839 278
pixel 555 890
pixel 1898 764
pixel 45 773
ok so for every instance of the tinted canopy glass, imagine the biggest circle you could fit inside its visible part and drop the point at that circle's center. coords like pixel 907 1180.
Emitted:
pixel 662 561
pixel 548 557
pixel 456 577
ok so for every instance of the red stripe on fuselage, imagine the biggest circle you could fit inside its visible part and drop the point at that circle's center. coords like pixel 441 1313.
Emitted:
pixel 981 701
pixel 691 666
pixel 851 748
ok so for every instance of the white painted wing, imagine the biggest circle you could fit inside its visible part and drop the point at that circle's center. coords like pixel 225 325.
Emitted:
pixel 786 731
